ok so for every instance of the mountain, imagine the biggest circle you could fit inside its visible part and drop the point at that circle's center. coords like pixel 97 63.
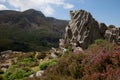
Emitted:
pixel 30 30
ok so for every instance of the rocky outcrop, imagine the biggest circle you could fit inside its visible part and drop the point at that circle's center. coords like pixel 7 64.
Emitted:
pixel 83 29
pixel 112 34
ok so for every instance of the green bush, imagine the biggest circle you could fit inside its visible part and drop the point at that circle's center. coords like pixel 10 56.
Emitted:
pixel 14 73
pixel 99 41
pixel 46 64
pixel 26 61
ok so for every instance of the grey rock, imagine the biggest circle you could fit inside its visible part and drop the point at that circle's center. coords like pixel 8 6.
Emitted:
pixel 102 28
pixel 37 74
pixel 4 69
pixel 31 76
pixel 83 29
pixel 112 34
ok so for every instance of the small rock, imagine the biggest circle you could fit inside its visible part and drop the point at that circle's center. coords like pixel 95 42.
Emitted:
pixel 78 50
pixel 31 76
pixel 4 69
pixel 39 73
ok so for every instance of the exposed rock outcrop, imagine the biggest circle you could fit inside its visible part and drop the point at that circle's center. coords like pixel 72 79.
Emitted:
pixel 112 34
pixel 83 29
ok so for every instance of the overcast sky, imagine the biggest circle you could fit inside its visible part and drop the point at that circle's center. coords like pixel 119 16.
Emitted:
pixel 107 11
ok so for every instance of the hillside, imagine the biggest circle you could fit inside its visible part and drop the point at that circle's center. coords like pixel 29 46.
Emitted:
pixel 89 50
pixel 101 61
pixel 30 30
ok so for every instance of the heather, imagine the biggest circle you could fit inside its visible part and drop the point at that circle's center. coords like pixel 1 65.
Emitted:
pixel 101 61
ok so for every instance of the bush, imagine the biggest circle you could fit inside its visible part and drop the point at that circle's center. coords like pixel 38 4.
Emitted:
pixel 101 62
pixel 46 64
pixel 27 62
pixel 14 73
pixel 99 41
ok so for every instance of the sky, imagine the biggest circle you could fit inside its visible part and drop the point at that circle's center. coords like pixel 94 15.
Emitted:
pixel 106 11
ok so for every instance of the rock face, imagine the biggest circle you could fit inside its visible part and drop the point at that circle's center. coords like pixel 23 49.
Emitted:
pixel 112 34
pixel 83 29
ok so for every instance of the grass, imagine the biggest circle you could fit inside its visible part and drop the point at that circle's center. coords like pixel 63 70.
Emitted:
pixel 17 39
pixel 35 69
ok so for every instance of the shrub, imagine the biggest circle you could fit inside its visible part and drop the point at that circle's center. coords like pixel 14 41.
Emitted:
pixel 100 41
pixel 27 62
pixel 14 73
pixel 45 64
pixel 100 62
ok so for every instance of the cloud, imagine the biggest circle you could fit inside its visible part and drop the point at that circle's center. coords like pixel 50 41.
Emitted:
pixel 46 6
pixel 47 10
pixel 2 1
pixel 68 6
pixel 3 7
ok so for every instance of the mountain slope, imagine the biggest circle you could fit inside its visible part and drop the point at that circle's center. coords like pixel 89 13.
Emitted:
pixel 30 30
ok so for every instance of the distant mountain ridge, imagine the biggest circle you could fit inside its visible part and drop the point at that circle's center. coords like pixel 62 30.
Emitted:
pixel 33 25
pixel 30 16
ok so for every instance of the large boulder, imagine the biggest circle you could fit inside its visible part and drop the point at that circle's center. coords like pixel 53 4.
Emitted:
pixel 83 29
pixel 112 34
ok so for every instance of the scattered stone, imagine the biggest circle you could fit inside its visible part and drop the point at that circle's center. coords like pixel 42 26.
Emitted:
pixel 4 69
pixel 37 74
pixel 31 76
pixel 61 43
pixel 78 50
pixel 52 52
pixel 53 55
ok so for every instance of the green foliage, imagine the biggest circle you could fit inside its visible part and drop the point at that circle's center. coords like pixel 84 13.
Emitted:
pixel 99 41
pixel 30 61
pixel 46 64
pixel 14 73
pixel 67 51
pixel 15 38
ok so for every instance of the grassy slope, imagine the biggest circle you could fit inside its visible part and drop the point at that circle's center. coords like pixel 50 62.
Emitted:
pixel 23 40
